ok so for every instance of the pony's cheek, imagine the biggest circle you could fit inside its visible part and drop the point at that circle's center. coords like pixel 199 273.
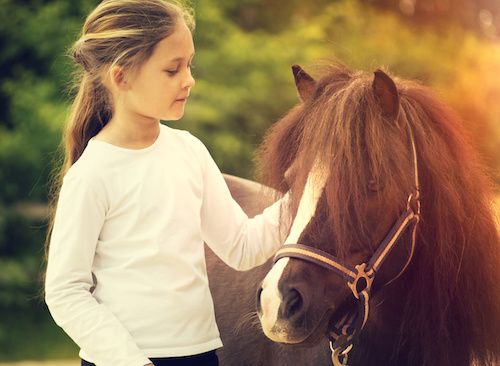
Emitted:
pixel 335 293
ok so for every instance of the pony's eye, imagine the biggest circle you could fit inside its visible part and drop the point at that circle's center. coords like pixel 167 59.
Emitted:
pixel 374 186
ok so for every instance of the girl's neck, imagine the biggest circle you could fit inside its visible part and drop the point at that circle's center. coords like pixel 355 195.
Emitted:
pixel 123 132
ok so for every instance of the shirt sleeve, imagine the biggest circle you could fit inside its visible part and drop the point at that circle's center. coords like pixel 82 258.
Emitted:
pixel 240 242
pixel 93 327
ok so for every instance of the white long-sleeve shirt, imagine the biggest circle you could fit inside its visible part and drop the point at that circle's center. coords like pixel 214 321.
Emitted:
pixel 126 275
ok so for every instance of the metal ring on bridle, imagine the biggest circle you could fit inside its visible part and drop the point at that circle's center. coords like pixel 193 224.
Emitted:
pixel 361 274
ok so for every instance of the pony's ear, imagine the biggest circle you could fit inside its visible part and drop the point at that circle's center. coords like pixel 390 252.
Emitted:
pixel 386 94
pixel 304 82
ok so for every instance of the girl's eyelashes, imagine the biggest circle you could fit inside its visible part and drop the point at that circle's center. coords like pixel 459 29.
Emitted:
pixel 174 72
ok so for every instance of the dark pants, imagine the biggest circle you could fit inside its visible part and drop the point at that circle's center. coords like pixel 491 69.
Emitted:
pixel 203 359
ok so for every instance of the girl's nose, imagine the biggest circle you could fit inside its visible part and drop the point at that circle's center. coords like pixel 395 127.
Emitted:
pixel 189 82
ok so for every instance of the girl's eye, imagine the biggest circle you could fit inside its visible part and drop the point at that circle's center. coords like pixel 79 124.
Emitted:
pixel 174 72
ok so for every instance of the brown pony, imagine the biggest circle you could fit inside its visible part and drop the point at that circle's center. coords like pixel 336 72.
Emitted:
pixel 345 154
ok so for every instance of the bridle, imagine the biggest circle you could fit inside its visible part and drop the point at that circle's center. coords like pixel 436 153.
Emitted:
pixel 360 277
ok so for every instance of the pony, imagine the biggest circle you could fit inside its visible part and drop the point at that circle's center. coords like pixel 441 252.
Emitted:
pixel 365 150
pixel 383 185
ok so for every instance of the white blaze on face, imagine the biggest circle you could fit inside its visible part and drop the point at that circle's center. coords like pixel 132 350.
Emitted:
pixel 271 297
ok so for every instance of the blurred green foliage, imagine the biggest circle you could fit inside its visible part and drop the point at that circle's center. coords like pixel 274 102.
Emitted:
pixel 244 83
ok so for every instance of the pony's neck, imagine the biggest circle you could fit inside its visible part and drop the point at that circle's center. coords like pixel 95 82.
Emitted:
pixel 384 340
pixel 379 342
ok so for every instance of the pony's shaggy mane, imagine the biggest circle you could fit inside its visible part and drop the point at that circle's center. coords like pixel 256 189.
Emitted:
pixel 451 289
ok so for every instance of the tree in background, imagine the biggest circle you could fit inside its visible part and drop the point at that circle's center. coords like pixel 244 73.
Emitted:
pixel 481 16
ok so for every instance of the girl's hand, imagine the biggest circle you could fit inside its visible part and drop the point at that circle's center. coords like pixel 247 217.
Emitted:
pixel 149 364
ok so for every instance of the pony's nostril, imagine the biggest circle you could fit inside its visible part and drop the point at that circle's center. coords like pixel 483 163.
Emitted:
pixel 292 303
pixel 259 294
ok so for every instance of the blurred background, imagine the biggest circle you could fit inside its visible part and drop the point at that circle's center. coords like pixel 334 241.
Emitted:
pixel 244 83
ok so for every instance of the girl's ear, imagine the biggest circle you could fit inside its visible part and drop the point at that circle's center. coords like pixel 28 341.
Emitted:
pixel 386 94
pixel 304 82
pixel 118 77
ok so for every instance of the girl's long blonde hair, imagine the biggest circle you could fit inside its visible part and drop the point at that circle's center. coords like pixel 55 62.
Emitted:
pixel 116 33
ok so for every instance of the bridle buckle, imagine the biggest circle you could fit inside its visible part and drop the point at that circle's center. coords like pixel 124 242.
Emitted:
pixel 363 275
pixel 414 202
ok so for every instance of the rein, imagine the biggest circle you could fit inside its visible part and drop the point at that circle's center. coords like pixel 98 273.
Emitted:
pixel 360 277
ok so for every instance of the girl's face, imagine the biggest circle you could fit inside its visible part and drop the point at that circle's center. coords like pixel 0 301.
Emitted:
pixel 161 86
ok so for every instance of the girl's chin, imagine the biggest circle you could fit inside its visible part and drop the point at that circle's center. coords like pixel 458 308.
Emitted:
pixel 174 115
pixel 172 118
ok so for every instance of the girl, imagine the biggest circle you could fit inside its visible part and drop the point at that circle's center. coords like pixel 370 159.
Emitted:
pixel 126 276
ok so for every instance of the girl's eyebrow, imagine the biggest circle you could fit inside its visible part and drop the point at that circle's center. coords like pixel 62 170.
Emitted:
pixel 181 58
